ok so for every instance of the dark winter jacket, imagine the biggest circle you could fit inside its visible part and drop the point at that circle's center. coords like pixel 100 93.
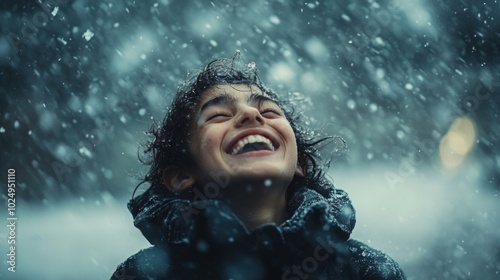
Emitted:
pixel 204 240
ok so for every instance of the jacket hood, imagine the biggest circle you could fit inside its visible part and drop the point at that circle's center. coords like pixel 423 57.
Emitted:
pixel 319 212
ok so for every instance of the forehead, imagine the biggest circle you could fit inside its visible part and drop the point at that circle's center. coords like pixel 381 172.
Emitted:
pixel 238 91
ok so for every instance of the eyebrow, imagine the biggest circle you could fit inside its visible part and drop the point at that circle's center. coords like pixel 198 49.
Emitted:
pixel 223 99
pixel 259 98
pixel 227 99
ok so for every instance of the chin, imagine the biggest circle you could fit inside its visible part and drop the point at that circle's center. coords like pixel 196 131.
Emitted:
pixel 264 174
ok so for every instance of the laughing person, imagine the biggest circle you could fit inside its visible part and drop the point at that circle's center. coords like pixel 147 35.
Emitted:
pixel 236 192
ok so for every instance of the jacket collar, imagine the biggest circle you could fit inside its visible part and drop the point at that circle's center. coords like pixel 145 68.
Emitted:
pixel 319 212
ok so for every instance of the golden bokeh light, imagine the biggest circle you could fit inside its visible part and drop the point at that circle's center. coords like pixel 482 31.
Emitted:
pixel 457 142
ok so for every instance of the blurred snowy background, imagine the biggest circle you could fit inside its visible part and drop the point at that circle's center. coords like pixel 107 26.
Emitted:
pixel 412 86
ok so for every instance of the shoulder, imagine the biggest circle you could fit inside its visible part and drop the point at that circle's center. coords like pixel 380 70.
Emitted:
pixel 149 263
pixel 360 261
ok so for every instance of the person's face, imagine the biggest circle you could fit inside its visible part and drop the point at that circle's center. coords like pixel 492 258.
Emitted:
pixel 243 134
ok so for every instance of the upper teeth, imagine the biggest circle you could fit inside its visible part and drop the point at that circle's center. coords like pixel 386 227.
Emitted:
pixel 252 139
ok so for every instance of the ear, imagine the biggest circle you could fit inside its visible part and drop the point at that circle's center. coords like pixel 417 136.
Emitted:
pixel 301 163
pixel 176 180
pixel 299 171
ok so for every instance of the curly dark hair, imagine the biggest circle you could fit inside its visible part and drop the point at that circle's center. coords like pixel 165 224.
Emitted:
pixel 169 145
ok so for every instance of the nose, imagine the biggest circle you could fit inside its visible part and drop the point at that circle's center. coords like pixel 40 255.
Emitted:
pixel 249 115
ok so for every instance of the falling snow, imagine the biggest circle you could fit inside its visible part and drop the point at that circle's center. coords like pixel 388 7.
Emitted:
pixel 411 86
pixel 88 35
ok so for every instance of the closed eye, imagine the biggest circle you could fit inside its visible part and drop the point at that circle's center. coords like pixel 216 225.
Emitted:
pixel 269 112
pixel 218 115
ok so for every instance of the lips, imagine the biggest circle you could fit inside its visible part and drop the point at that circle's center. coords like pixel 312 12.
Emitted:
pixel 252 140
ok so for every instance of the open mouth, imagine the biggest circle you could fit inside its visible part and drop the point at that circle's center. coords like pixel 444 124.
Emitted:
pixel 252 143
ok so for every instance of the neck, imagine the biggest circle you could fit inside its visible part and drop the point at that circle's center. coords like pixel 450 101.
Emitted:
pixel 256 205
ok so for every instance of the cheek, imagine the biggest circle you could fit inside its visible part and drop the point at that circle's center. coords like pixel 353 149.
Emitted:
pixel 288 133
pixel 292 142
pixel 209 141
